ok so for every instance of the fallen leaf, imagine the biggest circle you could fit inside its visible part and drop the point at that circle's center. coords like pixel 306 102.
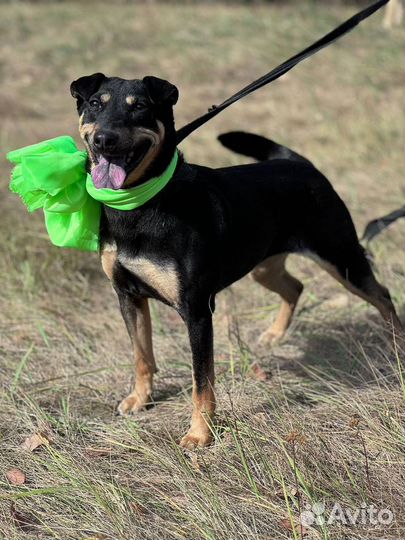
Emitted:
pixel 35 441
pixel 286 524
pixel 25 522
pixel 290 493
pixel 294 527
pixel 295 437
pixel 16 477
pixel 259 372
pixel 354 421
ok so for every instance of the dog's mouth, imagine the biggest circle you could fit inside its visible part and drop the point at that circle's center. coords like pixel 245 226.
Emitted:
pixel 111 171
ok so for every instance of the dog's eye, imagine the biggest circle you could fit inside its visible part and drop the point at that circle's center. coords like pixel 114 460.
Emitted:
pixel 139 106
pixel 95 104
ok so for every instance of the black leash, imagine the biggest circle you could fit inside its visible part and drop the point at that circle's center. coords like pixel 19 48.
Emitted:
pixel 376 226
pixel 277 72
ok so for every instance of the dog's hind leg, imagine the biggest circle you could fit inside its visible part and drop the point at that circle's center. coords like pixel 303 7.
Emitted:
pixel 135 312
pixel 271 273
pixel 349 266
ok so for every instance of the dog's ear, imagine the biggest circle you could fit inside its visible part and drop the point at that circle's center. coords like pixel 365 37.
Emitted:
pixel 161 92
pixel 85 87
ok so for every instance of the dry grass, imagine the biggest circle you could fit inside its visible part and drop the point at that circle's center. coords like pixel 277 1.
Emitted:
pixel 325 425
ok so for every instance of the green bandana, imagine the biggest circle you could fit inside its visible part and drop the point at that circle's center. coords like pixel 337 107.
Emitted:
pixel 52 175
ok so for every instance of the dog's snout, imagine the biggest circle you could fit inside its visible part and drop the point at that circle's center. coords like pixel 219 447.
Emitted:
pixel 105 140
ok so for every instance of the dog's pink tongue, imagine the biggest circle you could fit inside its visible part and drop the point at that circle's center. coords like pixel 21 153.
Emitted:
pixel 99 174
pixel 108 175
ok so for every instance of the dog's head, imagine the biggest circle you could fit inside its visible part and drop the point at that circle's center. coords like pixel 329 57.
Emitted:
pixel 124 125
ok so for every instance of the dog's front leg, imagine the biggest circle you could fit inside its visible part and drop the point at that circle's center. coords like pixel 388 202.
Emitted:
pixel 135 312
pixel 201 341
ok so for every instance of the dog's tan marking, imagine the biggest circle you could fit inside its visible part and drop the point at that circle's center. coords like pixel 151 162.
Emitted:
pixel 271 273
pixel 86 132
pixel 86 129
pixel 157 141
pixel 105 98
pixel 108 258
pixel 141 335
pixel 163 278
pixel 200 432
pixel 130 100
pixel 140 331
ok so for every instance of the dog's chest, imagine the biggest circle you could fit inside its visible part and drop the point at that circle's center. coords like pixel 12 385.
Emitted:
pixel 162 276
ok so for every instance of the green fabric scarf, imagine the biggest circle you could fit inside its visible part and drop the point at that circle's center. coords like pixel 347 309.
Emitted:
pixel 52 175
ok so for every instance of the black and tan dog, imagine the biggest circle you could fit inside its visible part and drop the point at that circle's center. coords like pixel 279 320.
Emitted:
pixel 206 229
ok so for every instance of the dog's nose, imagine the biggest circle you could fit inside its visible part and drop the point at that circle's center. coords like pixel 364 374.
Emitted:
pixel 105 140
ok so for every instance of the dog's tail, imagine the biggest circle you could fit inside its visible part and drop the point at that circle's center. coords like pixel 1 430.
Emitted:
pixel 376 226
pixel 258 147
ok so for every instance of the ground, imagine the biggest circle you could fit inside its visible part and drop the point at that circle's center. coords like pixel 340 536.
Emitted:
pixel 315 419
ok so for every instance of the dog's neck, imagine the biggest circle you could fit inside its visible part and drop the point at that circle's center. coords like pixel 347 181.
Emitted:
pixel 162 160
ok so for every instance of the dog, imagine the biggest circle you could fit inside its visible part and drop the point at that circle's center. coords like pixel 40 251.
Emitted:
pixel 262 149
pixel 205 230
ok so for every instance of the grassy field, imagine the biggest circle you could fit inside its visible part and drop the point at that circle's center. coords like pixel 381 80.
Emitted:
pixel 316 419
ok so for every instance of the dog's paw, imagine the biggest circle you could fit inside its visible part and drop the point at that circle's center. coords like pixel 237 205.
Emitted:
pixel 133 404
pixel 271 336
pixel 193 440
